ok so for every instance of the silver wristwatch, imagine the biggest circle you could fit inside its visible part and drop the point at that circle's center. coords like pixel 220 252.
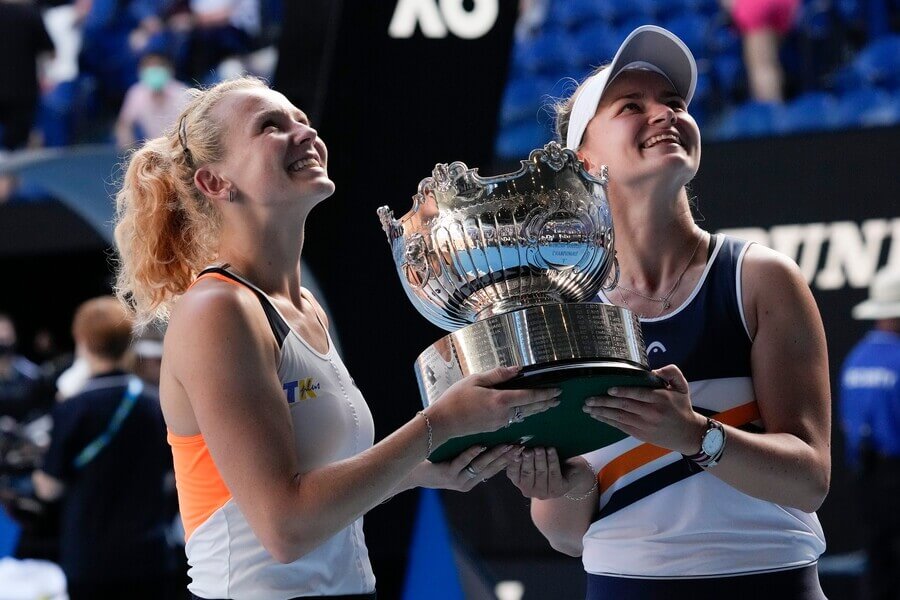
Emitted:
pixel 712 445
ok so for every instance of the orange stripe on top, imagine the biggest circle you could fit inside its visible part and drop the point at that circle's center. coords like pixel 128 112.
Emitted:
pixel 645 453
pixel 201 491
pixel 218 276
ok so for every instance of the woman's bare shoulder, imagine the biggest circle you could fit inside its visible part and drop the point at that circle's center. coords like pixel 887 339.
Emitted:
pixel 215 312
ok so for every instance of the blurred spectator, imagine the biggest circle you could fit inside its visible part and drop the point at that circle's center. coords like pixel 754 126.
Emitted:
pixel 107 462
pixel 870 415
pixel 45 351
pixel 19 377
pixel 23 42
pixel 147 355
pixel 107 55
pixel 71 381
pixel 221 28
pixel 762 24
pixel 153 104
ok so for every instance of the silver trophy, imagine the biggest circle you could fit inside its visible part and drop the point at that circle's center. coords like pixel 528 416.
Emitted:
pixel 508 264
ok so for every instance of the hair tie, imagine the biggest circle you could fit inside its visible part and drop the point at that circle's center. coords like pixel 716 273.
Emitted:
pixel 182 137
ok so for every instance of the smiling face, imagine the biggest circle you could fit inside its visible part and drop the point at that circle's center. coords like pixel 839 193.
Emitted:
pixel 642 131
pixel 272 153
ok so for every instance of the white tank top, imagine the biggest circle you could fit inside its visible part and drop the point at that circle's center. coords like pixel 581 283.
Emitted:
pixel 331 422
pixel 661 516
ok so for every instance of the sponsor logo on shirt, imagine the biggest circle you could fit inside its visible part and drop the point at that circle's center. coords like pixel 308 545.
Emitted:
pixel 870 377
pixel 302 389
pixel 655 347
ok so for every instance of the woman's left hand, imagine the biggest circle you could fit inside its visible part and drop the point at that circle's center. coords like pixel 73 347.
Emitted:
pixel 663 417
pixel 471 467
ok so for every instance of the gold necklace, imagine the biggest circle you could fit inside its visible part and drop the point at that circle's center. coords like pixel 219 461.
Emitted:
pixel 664 300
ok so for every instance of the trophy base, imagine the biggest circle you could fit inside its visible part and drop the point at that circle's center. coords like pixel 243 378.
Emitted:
pixel 565 427
pixel 582 348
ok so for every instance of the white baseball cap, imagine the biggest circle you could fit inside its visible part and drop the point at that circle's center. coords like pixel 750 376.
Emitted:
pixel 884 297
pixel 647 48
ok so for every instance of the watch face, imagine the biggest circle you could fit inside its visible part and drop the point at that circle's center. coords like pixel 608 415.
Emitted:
pixel 712 441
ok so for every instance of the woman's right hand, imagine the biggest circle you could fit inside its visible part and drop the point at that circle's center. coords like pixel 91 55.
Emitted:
pixel 473 405
pixel 539 474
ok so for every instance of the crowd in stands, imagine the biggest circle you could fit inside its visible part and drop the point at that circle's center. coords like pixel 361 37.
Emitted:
pixel 104 71
pixel 766 67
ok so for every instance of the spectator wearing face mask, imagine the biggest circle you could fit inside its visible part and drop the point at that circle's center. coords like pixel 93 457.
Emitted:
pixel 152 104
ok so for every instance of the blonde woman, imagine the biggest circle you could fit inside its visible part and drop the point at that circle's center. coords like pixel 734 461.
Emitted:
pixel 714 492
pixel 272 440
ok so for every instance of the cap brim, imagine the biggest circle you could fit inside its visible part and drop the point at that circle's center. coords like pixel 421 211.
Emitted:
pixel 873 310
pixel 662 49
pixel 652 48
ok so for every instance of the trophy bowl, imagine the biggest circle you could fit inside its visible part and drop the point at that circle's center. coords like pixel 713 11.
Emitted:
pixel 509 264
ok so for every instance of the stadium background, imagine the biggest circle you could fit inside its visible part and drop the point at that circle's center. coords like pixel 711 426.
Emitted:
pixel 391 107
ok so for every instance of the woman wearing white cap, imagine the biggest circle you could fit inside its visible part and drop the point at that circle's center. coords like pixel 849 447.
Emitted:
pixel 714 492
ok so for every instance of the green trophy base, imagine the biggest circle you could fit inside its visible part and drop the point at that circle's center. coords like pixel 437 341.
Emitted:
pixel 565 427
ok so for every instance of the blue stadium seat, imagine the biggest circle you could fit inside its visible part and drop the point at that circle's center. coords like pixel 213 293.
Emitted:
pixel 879 62
pixel 853 105
pixel 694 29
pixel 849 11
pixel 704 88
pixel 882 115
pixel 518 140
pixel 619 11
pixel 814 111
pixel 628 25
pixel 546 52
pixel 723 39
pixel 814 19
pixel 593 45
pixel 667 9
pixel 700 112
pixel 573 14
pixel 522 99
pixel 728 71
pixel 848 79
pixel 707 7
pixel 752 119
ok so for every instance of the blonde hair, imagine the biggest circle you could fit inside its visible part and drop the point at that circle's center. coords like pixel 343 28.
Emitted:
pixel 166 229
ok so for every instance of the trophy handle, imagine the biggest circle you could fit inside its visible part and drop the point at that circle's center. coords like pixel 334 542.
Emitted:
pixel 614 274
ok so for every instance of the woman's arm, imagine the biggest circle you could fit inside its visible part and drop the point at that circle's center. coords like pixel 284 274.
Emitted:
pixel 563 497
pixel 221 353
pixel 789 464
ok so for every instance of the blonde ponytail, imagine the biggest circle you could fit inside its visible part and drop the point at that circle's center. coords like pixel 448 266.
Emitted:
pixel 166 230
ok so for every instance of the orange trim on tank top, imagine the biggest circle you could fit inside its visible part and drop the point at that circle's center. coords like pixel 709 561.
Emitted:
pixel 645 453
pixel 201 491
pixel 218 276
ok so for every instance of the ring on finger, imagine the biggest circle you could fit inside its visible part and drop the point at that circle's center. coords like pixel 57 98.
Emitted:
pixel 518 417
pixel 471 472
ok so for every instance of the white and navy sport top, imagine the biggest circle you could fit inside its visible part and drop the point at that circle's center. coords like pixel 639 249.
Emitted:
pixel 660 515
pixel 331 422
